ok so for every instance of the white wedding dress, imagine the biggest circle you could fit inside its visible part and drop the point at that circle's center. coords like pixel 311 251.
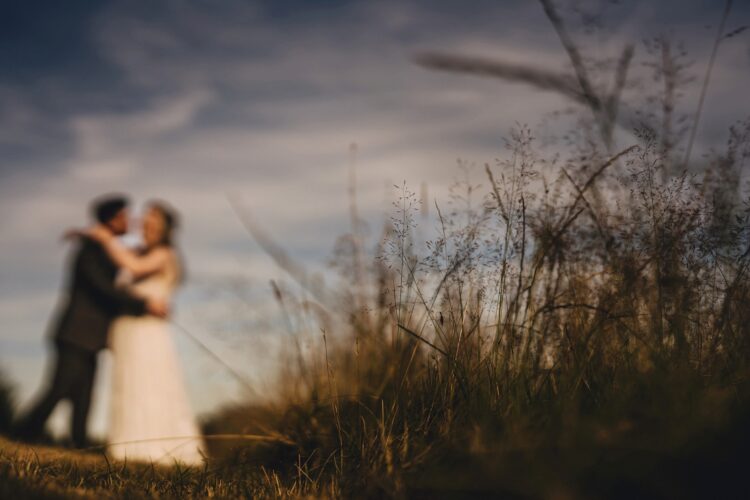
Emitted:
pixel 151 419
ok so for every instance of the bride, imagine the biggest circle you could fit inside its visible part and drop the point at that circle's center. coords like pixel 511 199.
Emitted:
pixel 151 419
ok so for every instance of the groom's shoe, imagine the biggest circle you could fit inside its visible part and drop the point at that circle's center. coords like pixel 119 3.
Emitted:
pixel 79 444
pixel 25 432
pixel 22 434
pixel 90 446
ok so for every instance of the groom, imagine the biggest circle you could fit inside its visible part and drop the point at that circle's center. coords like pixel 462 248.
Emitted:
pixel 81 331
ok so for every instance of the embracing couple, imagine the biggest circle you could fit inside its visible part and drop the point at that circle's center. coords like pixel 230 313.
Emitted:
pixel 119 298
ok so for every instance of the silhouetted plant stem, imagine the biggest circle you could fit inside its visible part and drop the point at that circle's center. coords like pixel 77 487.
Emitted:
pixel 706 80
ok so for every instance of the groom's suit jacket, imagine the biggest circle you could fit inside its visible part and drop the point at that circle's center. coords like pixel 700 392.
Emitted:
pixel 93 299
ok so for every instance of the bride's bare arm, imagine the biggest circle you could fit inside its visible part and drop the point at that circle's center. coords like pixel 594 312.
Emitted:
pixel 138 265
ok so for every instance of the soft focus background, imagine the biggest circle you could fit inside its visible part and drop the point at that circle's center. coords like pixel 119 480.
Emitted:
pixel 191 101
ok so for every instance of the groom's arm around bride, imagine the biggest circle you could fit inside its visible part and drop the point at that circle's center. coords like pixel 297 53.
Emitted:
pixel 86 322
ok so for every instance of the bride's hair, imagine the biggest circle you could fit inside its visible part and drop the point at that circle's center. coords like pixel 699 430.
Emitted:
pixel 171 221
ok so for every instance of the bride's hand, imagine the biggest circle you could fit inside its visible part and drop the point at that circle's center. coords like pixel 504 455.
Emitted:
pixel 96 233
pixel 158 308
pixel 74 233
pixel 100 234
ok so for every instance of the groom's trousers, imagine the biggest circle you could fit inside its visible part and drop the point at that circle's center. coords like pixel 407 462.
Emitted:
pixel 73 379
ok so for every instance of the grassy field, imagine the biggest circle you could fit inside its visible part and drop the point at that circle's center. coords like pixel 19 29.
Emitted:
pixel 53 472
pixel 621 460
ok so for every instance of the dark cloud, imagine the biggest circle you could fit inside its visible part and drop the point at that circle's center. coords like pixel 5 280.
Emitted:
pixel 64 59
pixel 43 39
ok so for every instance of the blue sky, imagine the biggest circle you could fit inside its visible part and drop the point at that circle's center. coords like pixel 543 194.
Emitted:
pixel 191 100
